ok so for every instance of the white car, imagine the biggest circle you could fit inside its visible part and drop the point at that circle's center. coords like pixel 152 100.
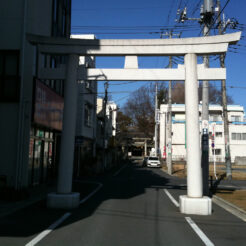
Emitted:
pixel 153 161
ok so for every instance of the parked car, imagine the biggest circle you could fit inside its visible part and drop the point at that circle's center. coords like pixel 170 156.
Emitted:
pixel 153 162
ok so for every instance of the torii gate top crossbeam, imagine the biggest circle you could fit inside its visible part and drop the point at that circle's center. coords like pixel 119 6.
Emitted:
pixel 145 47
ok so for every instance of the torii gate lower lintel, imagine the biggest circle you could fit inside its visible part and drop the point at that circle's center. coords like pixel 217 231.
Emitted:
pixel 193 202
pixel 134 74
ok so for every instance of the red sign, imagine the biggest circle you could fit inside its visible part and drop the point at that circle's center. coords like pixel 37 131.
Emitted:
pixel 48 108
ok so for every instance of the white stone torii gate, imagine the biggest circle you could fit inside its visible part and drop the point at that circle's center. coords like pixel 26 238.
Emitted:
pixel 193 202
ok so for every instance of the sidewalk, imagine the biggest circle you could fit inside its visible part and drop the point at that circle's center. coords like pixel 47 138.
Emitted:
pixel 36 194
pixel 84 186
pixel 233 184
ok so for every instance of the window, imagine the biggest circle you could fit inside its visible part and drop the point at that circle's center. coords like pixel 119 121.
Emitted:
pixel 216 151
pixel 87 116
pixel 218 134
pixel 55 10
pixel 61 18
pixel 238 136
pixel 235 118
pixel 215 117
pixel 234 136
pixel 9 76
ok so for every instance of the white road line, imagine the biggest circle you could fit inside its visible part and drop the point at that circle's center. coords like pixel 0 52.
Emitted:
pixel 92 193
pixel 50 229
pixel 119 170
pixel 171 198
pixel 64 217
pixel 198 231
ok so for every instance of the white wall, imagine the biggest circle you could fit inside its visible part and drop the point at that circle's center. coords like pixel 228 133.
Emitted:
pixel 84 96
pixel 238 147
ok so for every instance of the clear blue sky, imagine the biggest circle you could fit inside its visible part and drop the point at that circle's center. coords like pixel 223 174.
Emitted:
pixel 145 19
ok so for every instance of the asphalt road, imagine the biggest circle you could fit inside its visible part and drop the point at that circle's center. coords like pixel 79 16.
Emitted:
pixel 131 209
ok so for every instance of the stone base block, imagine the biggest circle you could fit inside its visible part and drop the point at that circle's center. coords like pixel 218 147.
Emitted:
pixel 198 206
pixel 65 201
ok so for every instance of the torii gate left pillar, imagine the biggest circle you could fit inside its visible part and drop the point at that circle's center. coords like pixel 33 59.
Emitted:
pixel 64 197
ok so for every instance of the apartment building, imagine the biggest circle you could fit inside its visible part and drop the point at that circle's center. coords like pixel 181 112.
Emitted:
pixel 237 132
pixel 86 123
pixel 31 109
pixel 110 121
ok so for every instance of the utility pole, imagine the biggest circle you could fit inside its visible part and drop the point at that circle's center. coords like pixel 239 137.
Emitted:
pixel 224 106
pixel 169 120
pixel 156 119
pixel 105 101
pixel 207 17
pixel 170 34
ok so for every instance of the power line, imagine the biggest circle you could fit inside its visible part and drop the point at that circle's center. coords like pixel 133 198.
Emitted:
pixel 123 33
pixel 169 13
pixel 119 8
pixel 174 88
pixel 129 27
pixel 196 7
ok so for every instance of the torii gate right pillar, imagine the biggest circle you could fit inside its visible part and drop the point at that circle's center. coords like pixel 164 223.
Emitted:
pixel 194 202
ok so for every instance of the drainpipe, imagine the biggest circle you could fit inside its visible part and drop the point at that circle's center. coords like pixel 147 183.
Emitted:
pixel 21 105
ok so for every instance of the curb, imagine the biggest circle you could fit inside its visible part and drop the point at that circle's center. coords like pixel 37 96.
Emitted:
pixel 231 187
pixel 233 209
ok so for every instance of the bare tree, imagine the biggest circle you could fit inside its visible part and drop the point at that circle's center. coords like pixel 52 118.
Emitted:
pixel 140 107
pixel 178 95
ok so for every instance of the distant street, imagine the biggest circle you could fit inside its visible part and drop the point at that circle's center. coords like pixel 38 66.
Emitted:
pixel 132 208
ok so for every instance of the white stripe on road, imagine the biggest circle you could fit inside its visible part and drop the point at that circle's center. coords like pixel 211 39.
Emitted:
pixel 119 170
pixel 171 198
pixel 93 192
pixel 198 231
pixel 64 217
pixel 50 229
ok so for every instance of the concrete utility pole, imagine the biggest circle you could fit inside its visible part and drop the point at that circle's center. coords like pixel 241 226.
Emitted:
pixel 156 120
pixel 169 112
pixel 224 105
pixel 206 14
pixel 105 101
pixel 169 120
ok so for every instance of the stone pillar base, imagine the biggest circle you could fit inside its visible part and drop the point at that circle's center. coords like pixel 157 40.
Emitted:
pixel 198 206
pixel 65 201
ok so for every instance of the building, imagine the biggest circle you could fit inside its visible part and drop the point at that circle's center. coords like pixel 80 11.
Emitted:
pixel 237 132
pixel 106 132
pixel 111 114
pixel 86 124
pixel 110 122
pixel 31 109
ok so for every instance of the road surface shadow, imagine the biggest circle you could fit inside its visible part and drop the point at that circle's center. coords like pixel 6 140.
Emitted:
pixel 131 182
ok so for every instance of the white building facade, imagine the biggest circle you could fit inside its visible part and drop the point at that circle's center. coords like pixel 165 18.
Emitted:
pixel 110 121
pixel 85 137
pixel 237 132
